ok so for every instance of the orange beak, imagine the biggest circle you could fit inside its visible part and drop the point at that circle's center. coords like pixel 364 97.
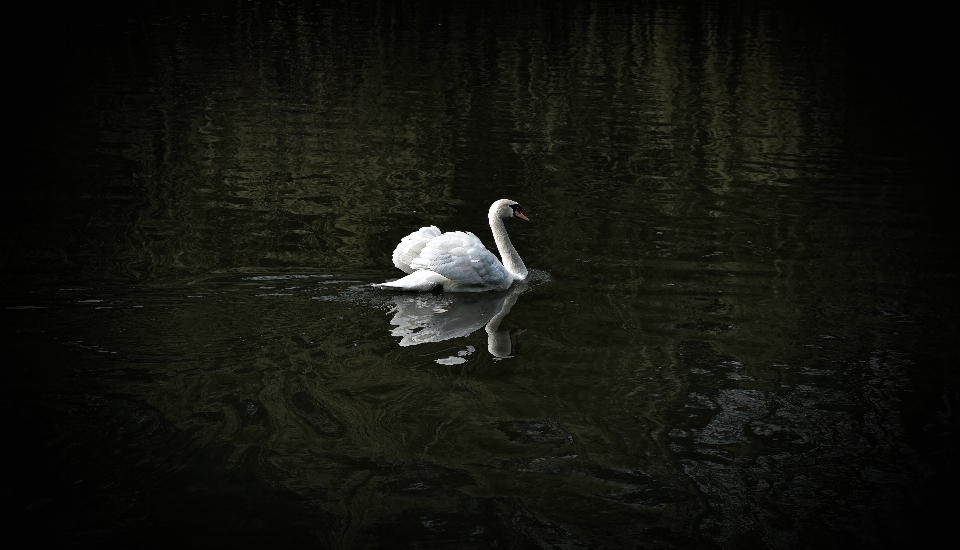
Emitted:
pixel 521 216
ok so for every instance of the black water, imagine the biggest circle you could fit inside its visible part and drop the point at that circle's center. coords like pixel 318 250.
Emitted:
pixel 740 330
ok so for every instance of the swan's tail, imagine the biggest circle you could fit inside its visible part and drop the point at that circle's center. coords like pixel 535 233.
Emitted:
pixel 411 245
pixel 418 281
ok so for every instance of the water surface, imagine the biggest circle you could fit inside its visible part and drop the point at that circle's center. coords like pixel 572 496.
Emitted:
pixel 739 332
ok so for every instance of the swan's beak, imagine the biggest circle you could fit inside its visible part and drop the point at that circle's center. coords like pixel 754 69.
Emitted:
pixel 520 215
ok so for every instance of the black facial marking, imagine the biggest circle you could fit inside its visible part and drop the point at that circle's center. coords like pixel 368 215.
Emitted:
pixel 516 207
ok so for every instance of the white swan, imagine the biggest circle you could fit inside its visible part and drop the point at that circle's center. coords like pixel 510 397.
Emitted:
pixel 458 261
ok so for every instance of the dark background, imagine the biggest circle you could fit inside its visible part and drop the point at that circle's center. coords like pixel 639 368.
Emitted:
pixel 900 54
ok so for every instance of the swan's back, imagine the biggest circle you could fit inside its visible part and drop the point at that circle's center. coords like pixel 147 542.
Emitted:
pixel 461 257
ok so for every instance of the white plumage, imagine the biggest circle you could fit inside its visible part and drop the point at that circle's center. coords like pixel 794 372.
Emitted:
pixel 411 245
pixel 457 260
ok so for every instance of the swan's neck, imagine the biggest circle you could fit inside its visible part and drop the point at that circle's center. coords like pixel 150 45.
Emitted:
pixel 508 255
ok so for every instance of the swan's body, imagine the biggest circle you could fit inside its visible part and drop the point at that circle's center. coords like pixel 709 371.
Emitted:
pixel 458 261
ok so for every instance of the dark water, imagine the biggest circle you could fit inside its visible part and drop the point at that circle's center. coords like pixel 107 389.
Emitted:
pixel 740 330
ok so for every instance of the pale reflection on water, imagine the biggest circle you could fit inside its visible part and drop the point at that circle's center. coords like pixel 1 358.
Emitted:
pixel 423 318
pixel 746 338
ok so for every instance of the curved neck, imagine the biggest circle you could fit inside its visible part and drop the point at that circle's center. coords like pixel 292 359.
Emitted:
pixel 508 255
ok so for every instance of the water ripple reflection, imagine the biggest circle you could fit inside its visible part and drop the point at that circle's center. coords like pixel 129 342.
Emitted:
pixel 424 318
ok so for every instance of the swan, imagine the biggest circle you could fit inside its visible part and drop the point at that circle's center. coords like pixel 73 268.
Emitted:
pixel 457 261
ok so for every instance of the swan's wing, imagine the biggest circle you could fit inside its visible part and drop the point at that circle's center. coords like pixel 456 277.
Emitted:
pixel 462 258
pixel 411 245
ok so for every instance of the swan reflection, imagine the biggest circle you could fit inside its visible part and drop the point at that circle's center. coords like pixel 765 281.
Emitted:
pixel 422 318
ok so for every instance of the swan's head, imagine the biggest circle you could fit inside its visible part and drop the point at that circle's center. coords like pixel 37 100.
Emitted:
pixel 506 208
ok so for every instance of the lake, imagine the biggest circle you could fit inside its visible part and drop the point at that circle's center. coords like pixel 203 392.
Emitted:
pixel 739 329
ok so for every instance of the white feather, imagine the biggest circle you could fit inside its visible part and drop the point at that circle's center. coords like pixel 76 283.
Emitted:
pixel 411 245
pixel 457 260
